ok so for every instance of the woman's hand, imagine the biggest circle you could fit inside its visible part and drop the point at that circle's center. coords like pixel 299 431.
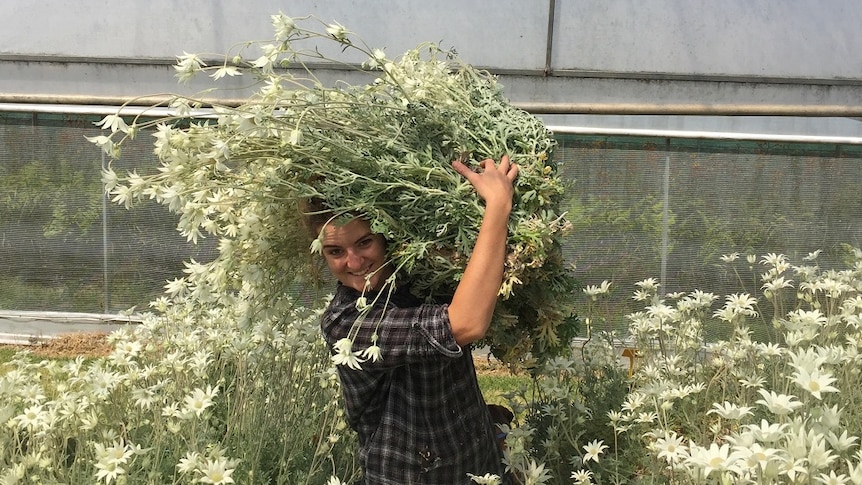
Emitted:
pixel 493 183
pixel 476 295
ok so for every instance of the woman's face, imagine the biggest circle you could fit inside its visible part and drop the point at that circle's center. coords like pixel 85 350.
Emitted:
pixel 352 253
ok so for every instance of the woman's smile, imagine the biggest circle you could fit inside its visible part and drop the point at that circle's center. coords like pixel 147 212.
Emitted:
pixel 356 257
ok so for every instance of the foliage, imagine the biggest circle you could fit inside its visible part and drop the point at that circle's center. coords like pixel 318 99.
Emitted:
pixel 189 396
pixel 60 197
pixel 381 151
pixel 742 411
pixel 228 380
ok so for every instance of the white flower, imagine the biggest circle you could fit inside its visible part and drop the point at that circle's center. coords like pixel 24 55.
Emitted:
pixel 199 400
pixel 295 138
pixel 777 284
pixel 373 352
pixel 486 479
pixel 144 398
pixel 594 291
pixel 755 455
pixel 791 467
pixel 105 143
pixel 828 417
pixel 832 478
pixel 727 258
pixel 774 260
pixel 802 319
pixel 377 59
pixel 582 477
pixel 841 443
pixel 225 70
pixel 728 410
pixel 752 382
pixel 855 471
pixel 779 404
pixel 187 66
pixel 317 246
pixel 714 458
pixel 344 354
pixel 338 32
pixel 536 473
pixel 814 382
pixel 108 471
pixel 634 401
pixel 594 449
pixel 216 472
pixel 740 304
pixel 818 455
pixel 114 122
pixel 766 431
pixel 116 453
pixel 662 312
pixel 190 462
pixel 649 284
pixel 266 60
pixel 361 303
pixel 33 418
pixel 110 459
pixel 770 349
pixel 646 417
pixel 283 25
pixel 670 447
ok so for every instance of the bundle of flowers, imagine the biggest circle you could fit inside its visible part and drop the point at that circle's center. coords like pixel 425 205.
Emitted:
pixel 381 151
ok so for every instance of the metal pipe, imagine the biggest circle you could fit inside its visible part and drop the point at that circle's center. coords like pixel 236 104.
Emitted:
pixel 665 219
pixel 806 110
pixel 30 102
pixel 706 135
pixel 100 109
pixel 105 246
pixel 549 41
pixel 525 72
pixel 47 103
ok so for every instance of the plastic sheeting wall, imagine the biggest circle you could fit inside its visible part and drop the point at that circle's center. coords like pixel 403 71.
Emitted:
pixel 63 248
pixel 735 52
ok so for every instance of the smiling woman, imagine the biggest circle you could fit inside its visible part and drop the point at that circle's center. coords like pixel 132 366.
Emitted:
pixel 355 256
pixel 381 151
pixel 411 391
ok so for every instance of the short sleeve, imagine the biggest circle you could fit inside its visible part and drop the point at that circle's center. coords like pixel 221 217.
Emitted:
pixel 404 335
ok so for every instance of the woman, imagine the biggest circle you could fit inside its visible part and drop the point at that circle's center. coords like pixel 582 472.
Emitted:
pixel 415 403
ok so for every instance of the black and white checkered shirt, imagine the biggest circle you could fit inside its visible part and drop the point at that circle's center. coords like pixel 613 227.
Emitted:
pixel 419 412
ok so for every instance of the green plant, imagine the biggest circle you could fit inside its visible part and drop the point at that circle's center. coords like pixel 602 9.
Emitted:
pixel 741 410
pixel 188 396
pixel 380 151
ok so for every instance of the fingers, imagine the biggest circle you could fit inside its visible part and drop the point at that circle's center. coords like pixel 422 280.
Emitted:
pixel 512 170
pixel 504 163
pixel 505 167
pixel 463 170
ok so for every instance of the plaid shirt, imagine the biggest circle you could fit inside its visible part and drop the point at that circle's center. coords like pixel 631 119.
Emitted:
pixel 419 413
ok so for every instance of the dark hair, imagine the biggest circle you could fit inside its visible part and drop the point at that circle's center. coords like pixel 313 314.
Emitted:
pixel 314 214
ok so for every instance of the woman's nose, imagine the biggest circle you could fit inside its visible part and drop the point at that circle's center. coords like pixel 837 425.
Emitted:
pixel 354 260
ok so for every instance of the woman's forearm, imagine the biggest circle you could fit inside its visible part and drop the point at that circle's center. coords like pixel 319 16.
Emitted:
pixel 476 295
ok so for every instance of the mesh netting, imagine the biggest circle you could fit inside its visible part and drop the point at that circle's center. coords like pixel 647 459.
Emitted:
pixel 64 248
pixel 723 197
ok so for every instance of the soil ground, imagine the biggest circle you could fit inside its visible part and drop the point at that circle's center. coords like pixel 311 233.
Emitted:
pixel 88 344
pixel 95 344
